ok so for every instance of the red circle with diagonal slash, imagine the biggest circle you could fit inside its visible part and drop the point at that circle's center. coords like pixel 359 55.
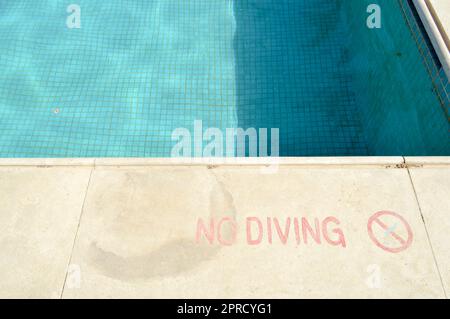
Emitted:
pixel 403 243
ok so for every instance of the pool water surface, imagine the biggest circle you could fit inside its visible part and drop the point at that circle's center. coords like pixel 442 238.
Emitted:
pixel 137 70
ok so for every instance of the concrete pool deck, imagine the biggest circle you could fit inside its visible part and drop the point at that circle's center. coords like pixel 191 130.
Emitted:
pixel 141 228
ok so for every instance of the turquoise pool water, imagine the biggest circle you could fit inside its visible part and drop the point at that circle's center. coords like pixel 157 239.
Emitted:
pixel 137 70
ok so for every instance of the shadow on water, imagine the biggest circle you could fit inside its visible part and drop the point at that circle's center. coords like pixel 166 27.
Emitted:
pixel 291 73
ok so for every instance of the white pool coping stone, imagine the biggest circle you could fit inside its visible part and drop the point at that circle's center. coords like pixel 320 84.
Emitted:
pixel 394 161
pixel 442 11
pixel 435 15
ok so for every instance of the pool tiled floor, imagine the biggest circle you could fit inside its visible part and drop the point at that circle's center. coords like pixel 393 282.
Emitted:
pixel 156 66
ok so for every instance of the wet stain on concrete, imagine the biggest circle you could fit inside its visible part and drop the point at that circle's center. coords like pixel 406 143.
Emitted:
pixel 171 258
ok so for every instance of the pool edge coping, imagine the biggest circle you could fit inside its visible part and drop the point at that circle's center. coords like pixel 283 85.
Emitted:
pixel 394 161
pixel 430 19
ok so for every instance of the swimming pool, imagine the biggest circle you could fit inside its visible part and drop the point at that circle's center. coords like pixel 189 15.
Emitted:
pixel 137 70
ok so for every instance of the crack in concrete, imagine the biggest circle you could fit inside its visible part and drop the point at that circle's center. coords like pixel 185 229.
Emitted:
pixel 76 233
pixel 427 233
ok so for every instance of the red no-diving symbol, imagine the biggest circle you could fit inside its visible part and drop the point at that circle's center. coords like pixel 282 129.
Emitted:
pixel 390 225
